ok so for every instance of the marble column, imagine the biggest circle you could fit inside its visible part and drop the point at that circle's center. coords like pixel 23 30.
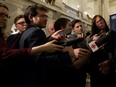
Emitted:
pixel 98 7
pixel 105 10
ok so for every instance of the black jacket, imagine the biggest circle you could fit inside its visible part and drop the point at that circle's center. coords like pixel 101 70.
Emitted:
pixel 49 67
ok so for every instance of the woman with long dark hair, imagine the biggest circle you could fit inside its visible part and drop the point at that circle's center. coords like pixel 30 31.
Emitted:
pixel 99 62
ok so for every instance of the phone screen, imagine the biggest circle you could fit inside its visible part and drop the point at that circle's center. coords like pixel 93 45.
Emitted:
pixel 65 32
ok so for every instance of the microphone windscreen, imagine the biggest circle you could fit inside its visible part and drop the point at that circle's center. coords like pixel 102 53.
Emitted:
pixel 75 41
pixel 87 34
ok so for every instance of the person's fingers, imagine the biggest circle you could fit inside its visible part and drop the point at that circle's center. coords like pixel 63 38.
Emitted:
pixel 85 50
pixel 57 32
pixel 95 35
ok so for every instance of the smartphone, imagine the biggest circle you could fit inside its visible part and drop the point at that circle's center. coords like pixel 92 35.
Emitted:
pixel 65 32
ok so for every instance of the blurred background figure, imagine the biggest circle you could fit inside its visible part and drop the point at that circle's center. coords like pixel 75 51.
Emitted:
pixel 78 28
pixel 51 29
pixel 20 25
pixel 78 31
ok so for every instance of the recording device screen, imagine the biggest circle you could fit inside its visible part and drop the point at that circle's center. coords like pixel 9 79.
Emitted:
pixel 65 32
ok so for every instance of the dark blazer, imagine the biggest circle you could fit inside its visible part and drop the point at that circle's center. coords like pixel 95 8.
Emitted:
pixel 32 37
pixel 13 40
pixel 49 67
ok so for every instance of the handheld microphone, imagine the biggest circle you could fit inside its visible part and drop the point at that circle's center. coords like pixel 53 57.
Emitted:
pixel 77 40
pixel 71 42
pixel 104 39
pixel 87 34
pixel 75 36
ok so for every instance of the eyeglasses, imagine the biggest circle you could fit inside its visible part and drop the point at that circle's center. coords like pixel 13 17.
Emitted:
pixel 22 23
pixel 4 15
